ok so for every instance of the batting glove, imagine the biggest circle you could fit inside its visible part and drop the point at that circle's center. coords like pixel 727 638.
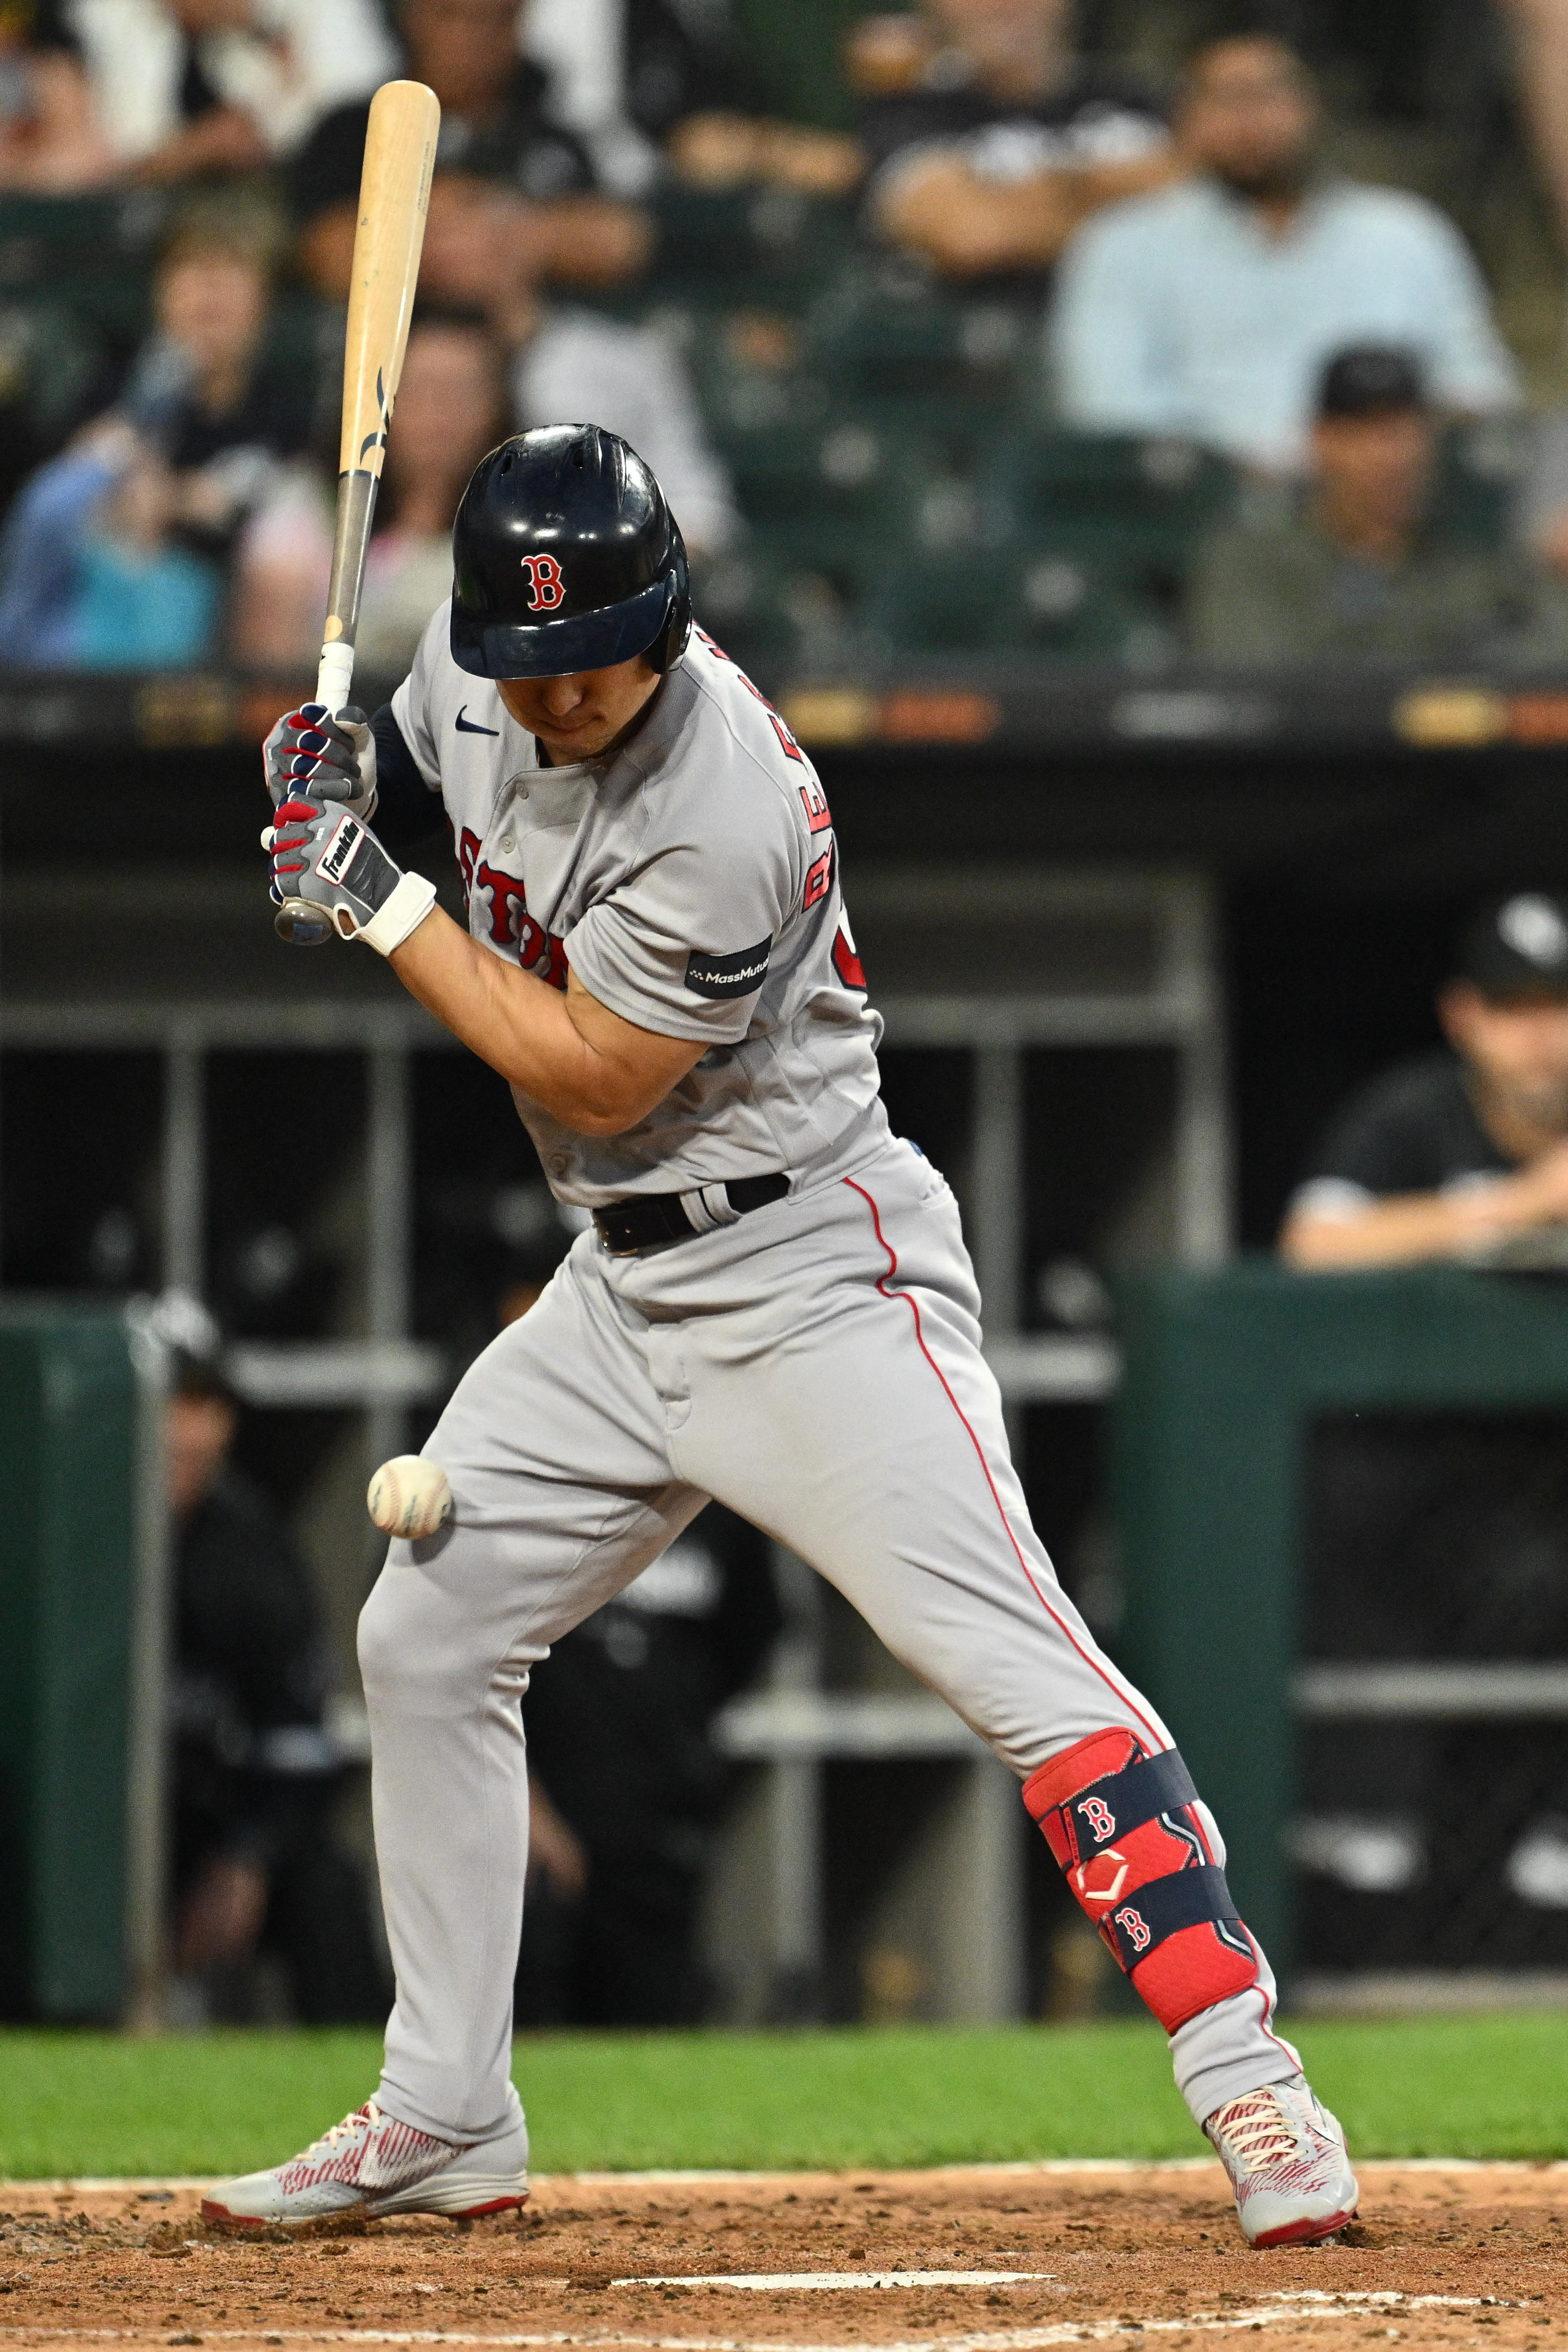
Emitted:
pixel 329 759
pixel 326 857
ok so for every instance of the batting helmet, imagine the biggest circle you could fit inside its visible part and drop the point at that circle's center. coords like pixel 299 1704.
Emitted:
pixel 566 558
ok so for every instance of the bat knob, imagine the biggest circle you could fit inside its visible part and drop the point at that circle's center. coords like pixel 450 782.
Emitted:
pixel 302 925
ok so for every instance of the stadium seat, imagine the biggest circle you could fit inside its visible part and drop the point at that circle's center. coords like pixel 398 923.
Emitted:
pixel 751 245
pixel 836 496
pixel 1050 605
pixel 1130 510
pixel 1480 471
pixel 94 252
pixel 892 348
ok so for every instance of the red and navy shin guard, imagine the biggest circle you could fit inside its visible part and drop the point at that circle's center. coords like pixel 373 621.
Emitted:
pixel 1121 1824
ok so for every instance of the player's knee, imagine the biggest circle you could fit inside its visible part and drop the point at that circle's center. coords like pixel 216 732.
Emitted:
pixel 1137 1846
pixel 410 1650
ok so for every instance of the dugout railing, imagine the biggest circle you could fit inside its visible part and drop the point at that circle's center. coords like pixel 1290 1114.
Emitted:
pixel 1228 1374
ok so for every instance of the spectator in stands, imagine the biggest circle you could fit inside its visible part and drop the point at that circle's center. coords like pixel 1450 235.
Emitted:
pixel 196 87
pixel 619 1721
pixel 1207 310
pixel 92 574
pixel 1430 1540
pixel 452 408
pixel 654 83
pixel 985 166
pixel 111 556
pixel 574 362
pixel 1356 572
pixel 51 142
pixel 1540 30
pixel 499 126
pixel 256 1866
pixel 1463 1149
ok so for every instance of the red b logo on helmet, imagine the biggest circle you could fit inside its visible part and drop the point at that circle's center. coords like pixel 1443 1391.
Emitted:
pixel 546 587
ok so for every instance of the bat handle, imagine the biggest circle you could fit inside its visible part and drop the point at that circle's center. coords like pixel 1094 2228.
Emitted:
pixel 334 675
pixel 305 926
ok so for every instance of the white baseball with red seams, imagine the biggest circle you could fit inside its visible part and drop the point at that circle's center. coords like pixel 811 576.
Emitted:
pixel 816 1364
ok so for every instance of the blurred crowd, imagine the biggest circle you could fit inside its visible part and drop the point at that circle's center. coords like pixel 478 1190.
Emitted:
pixel 1098 323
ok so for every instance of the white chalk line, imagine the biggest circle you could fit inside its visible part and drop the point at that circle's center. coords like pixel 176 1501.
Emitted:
pixel 1309 2303
pixel 802 2282
pixel 156 2184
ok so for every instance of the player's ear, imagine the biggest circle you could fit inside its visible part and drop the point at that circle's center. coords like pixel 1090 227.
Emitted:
pixel 1459 1001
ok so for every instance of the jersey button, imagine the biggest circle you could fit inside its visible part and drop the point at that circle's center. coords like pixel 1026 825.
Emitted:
pixel 560 1161
pixel 508 842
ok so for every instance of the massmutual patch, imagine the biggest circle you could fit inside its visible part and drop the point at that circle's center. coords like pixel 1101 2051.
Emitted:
pixel 729 975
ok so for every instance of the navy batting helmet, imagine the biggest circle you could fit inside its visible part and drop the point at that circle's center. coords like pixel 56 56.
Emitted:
pixel 566 558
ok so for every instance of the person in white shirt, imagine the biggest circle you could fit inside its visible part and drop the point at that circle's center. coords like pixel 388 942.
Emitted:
pixel 1207 311
pixel 184 86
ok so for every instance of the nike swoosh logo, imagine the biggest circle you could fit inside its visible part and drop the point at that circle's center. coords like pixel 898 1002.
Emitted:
pixel 467 727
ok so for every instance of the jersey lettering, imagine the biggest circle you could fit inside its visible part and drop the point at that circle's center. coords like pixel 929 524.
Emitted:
pixel 468 851
pixel 509 903
pixel 546 587
pixel 814 800
pixel 787 743
pixel 845 962
pixel 511 925
pixel 818 880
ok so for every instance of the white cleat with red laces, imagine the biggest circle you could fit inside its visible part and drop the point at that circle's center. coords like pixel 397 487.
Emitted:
pixel 370 2163
pixel 1287 2162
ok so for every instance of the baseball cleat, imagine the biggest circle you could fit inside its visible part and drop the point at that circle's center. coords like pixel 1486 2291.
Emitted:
pixel 369 2165
pixel 1286 2159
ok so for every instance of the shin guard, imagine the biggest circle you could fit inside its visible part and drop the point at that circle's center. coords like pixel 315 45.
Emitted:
pixel 1121 1824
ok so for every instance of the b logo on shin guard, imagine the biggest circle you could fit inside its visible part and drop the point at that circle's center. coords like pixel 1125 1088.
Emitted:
pixel 1134 1928
pixel 1181 1940
pixel 1098 1817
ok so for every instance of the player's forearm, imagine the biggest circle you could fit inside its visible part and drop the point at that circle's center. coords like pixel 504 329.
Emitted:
pixel 595 241
pixel 522 1027
pixel 1404 1231
pixel 967 226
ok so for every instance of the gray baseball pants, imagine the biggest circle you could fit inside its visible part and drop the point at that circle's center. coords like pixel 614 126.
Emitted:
pixel 815 1366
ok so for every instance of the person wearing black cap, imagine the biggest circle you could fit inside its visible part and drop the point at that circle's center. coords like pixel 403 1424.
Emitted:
pixel 1457 1151
pixel 1358 571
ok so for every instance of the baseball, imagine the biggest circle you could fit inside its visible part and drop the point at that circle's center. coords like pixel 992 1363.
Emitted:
pixel 409 1496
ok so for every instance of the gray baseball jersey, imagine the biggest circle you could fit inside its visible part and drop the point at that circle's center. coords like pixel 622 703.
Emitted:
pixel 691 882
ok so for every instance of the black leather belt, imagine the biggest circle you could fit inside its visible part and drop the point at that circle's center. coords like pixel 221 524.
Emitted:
pixel 627 1227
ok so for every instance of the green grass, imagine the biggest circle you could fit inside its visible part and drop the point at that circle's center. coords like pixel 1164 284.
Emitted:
pixel 95 2104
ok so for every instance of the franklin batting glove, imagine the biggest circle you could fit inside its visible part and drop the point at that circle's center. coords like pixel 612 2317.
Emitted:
pixel 328 858
pixel 330 759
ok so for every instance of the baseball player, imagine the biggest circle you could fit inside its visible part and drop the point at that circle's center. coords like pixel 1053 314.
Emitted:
pixel 773 1305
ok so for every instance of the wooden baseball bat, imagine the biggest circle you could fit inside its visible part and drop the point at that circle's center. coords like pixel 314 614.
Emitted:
pixel 393 194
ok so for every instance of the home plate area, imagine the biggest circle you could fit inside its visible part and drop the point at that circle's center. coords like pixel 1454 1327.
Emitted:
pixel 988 2259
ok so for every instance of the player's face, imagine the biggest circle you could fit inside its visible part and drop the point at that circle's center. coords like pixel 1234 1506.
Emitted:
pixel 1377 465
pixel 1520 1050
pixel 579 717
pixel 1249 116
pixel 214 305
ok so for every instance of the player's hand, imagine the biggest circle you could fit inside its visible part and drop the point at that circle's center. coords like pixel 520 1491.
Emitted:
pixel 327 857
pixel 330 759
pixel 1540 1191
